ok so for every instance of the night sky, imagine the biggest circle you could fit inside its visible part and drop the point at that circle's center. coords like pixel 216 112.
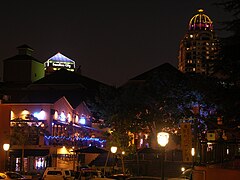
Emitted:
pixel 113 41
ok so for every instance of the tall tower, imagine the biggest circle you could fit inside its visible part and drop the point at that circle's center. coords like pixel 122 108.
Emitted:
pixel 199 49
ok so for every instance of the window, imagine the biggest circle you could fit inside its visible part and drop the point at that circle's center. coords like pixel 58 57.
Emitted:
pixel 54 173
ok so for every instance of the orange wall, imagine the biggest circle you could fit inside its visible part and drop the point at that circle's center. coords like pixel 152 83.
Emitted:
pixel 207 173
pixel 5 131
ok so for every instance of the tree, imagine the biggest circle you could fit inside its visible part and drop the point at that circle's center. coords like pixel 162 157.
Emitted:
pixel 230 63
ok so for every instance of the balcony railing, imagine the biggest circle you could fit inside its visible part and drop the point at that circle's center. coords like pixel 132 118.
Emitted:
pixel 219 152
pixel 75 141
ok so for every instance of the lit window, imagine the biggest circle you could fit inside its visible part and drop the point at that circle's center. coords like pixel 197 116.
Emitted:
pixel 191 36
pixel 76 119
pixel 24 114
pixel 194 69
pixel 55 115
pixel 12 115
pixel 41 115
pixel 62 116
pixel 69 117
pixel 82 120
pixel 39 162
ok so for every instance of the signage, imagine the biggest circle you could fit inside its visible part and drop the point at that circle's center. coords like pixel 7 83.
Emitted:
pixel 186 141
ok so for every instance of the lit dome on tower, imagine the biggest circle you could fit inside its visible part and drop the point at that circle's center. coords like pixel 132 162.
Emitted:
pixel 200 22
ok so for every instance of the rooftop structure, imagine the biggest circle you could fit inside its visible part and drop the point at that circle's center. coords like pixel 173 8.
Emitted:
pixel 199 49
pixel 57 62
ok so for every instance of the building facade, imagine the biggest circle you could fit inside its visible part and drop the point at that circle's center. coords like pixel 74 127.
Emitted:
pixel 46 134
pixel 23 67
pixel 199 49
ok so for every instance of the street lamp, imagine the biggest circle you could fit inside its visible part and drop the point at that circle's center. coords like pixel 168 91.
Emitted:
pixel 113 150
pixel 5 148
pixel 122 157
pixel 193 154
pixel 162 138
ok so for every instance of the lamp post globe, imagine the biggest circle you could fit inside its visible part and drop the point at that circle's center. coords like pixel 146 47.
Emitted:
pixel 193 154
pixel 162 138
pixel 113 149
pixel 6 147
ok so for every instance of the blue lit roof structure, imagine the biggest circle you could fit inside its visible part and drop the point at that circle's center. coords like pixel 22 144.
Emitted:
pixel 58 62
pixel 59 57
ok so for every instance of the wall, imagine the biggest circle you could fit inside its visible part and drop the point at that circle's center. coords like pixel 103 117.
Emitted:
pixel 37 71
pixel 207 173
pixel 5 131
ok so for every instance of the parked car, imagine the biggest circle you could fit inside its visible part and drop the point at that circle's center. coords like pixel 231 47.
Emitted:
pixel 55 173
pixel 119 176
pixel 186 175
pixel 11 175
pixel 90 174
pixel 143 178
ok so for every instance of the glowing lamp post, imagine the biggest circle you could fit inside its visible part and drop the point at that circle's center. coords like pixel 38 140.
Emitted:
pixel 162 138
pixel 193 154
pixel 114 150
pixel 6 148
pixel 122 158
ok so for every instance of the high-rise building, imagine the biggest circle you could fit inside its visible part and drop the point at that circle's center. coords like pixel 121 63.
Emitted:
pixel 199 49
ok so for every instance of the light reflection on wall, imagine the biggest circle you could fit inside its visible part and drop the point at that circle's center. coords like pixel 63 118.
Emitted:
pixel 40 115
pixel 55 115
pixel 76 119
pixel 82 120
pixel 12 115
pixel 24 114
pixel 69 117
pixel 62 116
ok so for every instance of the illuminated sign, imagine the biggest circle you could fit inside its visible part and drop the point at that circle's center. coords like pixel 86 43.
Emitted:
pixel 61 64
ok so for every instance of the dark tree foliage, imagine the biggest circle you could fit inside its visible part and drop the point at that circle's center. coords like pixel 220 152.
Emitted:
pixel 230 64
pixel 160 102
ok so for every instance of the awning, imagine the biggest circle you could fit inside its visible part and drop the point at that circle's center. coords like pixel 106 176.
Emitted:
pixel 91 149
pixel 29 152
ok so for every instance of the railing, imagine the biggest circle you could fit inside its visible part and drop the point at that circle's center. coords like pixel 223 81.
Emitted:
pixel 69 141
pixel 219 152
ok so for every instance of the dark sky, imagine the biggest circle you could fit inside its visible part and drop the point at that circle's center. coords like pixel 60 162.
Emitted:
pixel 113 41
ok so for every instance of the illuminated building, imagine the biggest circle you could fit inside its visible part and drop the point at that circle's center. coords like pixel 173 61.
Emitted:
pixel 58 62
pixel 56 103
pixel 199 49
pixel 63 126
